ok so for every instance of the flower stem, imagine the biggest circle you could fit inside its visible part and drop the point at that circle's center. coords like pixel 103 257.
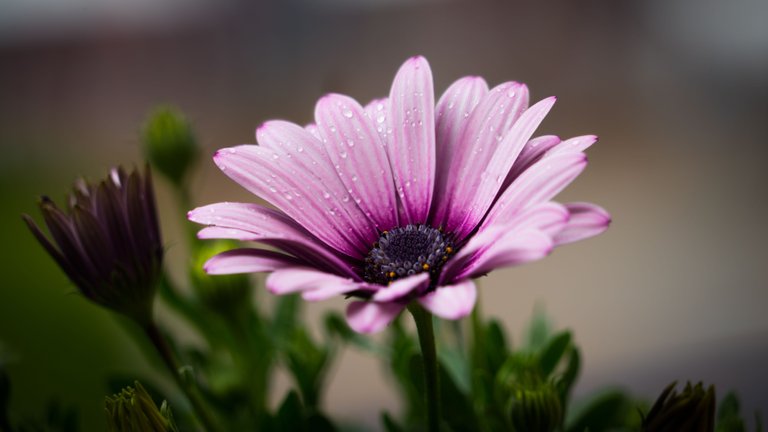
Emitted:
pixel 201 410
pixel 426 333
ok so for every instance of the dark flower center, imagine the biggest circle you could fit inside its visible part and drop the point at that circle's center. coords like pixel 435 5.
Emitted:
pixel 406 251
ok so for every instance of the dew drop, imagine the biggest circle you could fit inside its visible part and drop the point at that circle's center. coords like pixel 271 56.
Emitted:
pixel 343 155
pixel 380 118
pixel 346 112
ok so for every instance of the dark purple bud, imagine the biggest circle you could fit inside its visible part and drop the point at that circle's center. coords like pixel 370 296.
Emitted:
pixel 108 241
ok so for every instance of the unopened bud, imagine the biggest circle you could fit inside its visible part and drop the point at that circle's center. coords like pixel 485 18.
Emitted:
pixel 169 143
pixel 536 409
pixel 133 410
pixel 693 409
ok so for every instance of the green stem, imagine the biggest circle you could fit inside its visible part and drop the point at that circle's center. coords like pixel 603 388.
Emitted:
pixel 201 410
pixel 426 333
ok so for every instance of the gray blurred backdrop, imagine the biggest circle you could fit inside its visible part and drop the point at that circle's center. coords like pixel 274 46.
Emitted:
pixel 676 89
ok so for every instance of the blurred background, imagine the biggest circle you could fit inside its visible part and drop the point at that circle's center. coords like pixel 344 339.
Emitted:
pixel 677 90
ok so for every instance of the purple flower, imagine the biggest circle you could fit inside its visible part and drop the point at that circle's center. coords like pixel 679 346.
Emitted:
pixel 108 241
pixel 402 200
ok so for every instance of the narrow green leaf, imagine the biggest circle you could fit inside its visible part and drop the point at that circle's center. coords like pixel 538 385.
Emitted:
pixel 553 352
pixel 289 416
pixel 604 412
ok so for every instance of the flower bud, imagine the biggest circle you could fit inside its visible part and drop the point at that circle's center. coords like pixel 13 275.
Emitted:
pixel 691 410
pixel 536 409
pixel 107 241
pixel 223 293
pixel 133 410
pixel 169 143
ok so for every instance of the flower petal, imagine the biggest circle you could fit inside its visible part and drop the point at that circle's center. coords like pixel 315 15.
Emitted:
pixel 539 183
pixel 452 116
pixel 451 301
pixel 253 222
pixel 412 146
pixel 371 317
pixel 587 220
pixel 531 153
pixel 356 150
pixel 547 217
pixel 494 114
pixel 306 280
pixel 248 261
pixel 514 248
pixel 490 162
pixel 573 145
pixel 402 288
pixel 314 173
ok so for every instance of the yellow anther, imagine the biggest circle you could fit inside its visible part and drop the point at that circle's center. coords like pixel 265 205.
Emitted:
pixel 425 266
pixel 391 274
pixel 448 249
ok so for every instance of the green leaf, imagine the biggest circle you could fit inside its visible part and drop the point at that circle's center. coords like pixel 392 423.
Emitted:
pixel 728 415
pixel 604 412
pixel 289 416
pixel 307 363
pixel 456 367
pixel 553 352
pixel 286 316
pixel 390 425
pixel 539 331
pixel 497 347
pixel 569 376
pixel 319 423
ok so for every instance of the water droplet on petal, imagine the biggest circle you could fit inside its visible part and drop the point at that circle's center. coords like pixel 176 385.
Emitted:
pixel 346 112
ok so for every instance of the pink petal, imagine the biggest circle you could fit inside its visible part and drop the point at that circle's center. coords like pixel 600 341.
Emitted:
pixel 539 183
pixel 253 222
pixel 587 220
pixel 321 177
pixel 412 145
pixel 546 146
pixel 453 112
pixel 315 132
pixel 548 217
pixel 378 110
pixel 516 247
pixel 573 145
pixel 371 317
pixel 359 156
pixel 485 171
pixel 248 261
pixel 306 280
pixel 402 288
pixel 451 301
pixel 532 152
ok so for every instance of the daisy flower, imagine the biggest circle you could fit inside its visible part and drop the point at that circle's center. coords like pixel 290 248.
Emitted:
pixel 402 200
